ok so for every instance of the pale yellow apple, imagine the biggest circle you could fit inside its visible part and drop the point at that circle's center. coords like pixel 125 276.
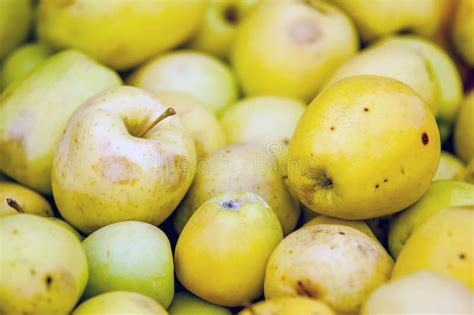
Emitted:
pixel 207 131
pixel 288 48
pixel 450 167
pixel 336 264
pixel 121 158
pixel 201 75
pixel 240 167
pixel 223 249
pixel 185 303
pixel 15 198
pixel 15 20
pixel 422 292
pixel 358 225
pixel 35 110
pixel 42 266
pixel 462 31
pixel 288 306
pixel 119 33
pixel 367 146
pixel 464 131
pixel 443 243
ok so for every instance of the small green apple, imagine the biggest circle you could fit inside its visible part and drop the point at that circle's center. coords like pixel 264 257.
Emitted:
pixel 185 303
pixel 15 198
pixel 15 20
pixel 462 31
pixel 464 131
pixel 450 167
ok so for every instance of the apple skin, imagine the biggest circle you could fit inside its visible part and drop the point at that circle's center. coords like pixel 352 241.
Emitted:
pixel 288 306
pixel 200 75
pixel 358 225
pixel 141 29
pixel 450 167
pixel 223 249
pixel 367 146
pixel 464 132
pixel 42 266
pixel 29 201
pixel 462 31
pixel 185 303
pixel 34 112
pixel 288 48
pixel 422 292
pixel 442 243
pixel 440 194
pixel 15 20
pixel 120 302
pixel 130 256
pixel 104 173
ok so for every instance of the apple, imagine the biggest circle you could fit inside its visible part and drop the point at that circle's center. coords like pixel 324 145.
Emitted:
pixel 442 243
pixel 367 146
pixel 441 194
pixel 468 174
pixel 336 264
pixel 66 226
pixel 288 306
pixel 463 132
pixel 422 292
pixel 358 225
pixel 241 167
pixel 216 32
pixel 122 157
pixel 462 31
pixel 223 249
pixel 121 33
pixel 15 19
pixel 35 110
pixel 200 75
pixel 120 302
pixel 288 48
pixel 42 266
pixel 185 303
pixel 450 167
pixel 15 198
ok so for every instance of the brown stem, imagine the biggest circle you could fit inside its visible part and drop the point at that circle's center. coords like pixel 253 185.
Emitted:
pixel 12 203
pixel 168 112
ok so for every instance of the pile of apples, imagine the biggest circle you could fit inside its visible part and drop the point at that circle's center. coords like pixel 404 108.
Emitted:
pixel 280 157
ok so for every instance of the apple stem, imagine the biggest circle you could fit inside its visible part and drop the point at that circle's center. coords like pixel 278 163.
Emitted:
pixel 168 112
pixel 12 203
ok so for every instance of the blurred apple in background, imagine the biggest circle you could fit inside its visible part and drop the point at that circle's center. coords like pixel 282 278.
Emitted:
pixel 462 33
pixel 450 167
pixel 464 129
pixel 15 20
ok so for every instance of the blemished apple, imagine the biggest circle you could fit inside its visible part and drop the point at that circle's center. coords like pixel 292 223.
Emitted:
pixel 223 249
pixel 288 305
pixel 450 167
pixel 288 48
pixel 422 292
pixel 120 302
pixel 130 256
pixel 319 261
pixel 34 112
pixel 123 156
pixel 443 243
pixel 440 194
pixel 358 225
pixel 462 31
pixel 217 29
pixel 42 266
pixel 15 19
pixel 367 146
pixel 240 167
pixel 200 75
pixel 464 131
pixel 140 29
pixel 199 120
pixel 185 303
pixel 15 198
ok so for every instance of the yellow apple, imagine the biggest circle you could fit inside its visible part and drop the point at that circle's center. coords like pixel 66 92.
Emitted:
pixel 15 20
pixel 464 131
pixel 15 198
pixel 450 167
pixel 358 225
pixel 288 306
pixel 462 32
pixel 185 303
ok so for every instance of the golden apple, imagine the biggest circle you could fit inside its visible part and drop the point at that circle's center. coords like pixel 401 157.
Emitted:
pixel 288 306
pixel 15 198
pixel 358 225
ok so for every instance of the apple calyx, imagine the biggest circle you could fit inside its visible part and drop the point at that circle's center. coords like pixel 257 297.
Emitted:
pixel 13 204
pixel 167 113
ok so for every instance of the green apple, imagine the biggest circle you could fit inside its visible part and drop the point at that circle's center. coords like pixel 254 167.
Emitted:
pixel 21 61
pixel 462 31
pixel 130 256
pixel 379 18
pixel 216 32
pixel 223 249
pixel 15 20
pixel 336 264
pixel 450 167
pixel 15 198
pixel 240 167
pixel 288 48
pixel 123 156
pixel 35 110
pixel 441 194
pixel 288 305
pixel 422 292
pixel 185 303
pixel 120 33
pixel 367 146
pixel 120 302
pixel 464 131
pixel 203 76
pixel 42 266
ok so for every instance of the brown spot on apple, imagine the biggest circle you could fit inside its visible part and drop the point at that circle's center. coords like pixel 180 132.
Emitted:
pixel 306 288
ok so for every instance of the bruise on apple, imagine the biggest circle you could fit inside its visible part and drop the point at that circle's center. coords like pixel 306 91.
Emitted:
pixel 118 169
pixel 303 32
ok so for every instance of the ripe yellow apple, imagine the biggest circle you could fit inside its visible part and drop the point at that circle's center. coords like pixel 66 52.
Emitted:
pixel 462 32
pixel 358 225
pixel 422 292
pixel 121 158
pixel 223 249
pixel 15 198
pixel 240 167
pixel 450 167
pixel 203 76
pixel 288 306
pixel 42 266
pixel 120 33
pixel 120 302
pixel 443 243
pixel 464 131
pixel 15 20
pixel 185 303
pixel 336 264
pixel 198 119
pixel 288 48
pixel 367 146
